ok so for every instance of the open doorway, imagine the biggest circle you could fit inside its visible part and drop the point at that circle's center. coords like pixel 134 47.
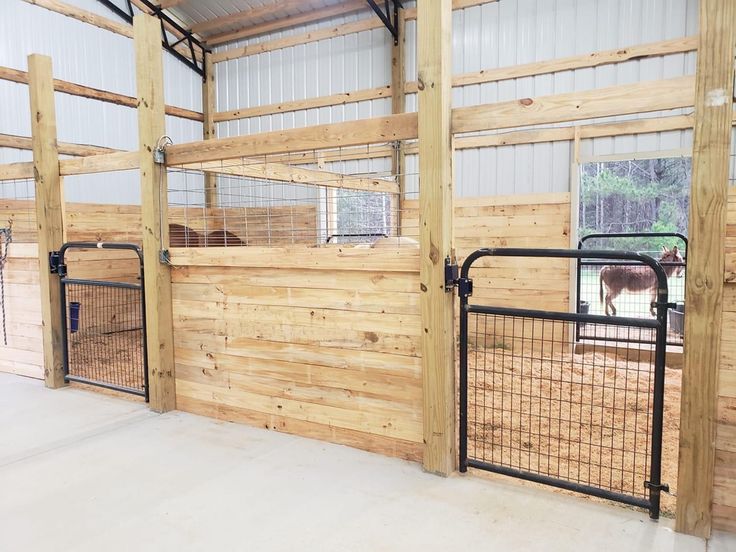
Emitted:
pixel 638 205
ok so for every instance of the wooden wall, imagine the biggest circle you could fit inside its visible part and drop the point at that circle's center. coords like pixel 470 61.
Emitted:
pixel 122 223
pixel 535 220
pixel 24 353
pixel 320 342
pixel 724 491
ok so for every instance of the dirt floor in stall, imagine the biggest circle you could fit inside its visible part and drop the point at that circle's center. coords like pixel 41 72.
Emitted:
pixel 115 358
pixel 580 417
pixel 574 416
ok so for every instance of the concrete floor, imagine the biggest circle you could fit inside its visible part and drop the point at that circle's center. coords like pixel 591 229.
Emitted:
pixel 84 471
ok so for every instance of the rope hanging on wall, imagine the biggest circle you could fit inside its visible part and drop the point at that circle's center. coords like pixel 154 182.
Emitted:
pixel 6 237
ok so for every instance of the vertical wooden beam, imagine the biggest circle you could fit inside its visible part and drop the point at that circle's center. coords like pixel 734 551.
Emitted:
pixel 434 29
pixel 705 264
pixel 398 105
pixel 209 128
pixel 49 210
pixel 154 212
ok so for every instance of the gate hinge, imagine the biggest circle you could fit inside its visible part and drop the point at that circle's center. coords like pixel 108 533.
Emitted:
pixel 451 274
pixel 55 264
pixel 464 287
pixel 655 304
pixel 663 487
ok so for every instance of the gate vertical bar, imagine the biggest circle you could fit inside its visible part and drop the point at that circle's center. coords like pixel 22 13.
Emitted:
pixel 463 418
pixel 142 273
pixel 655 467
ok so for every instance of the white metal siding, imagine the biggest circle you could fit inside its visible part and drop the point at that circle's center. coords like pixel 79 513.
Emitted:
pixel 493 35
pixel 95 57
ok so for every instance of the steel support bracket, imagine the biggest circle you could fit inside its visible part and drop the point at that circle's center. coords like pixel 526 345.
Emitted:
pixel 195 58
pixel 390 17
pixel 452 273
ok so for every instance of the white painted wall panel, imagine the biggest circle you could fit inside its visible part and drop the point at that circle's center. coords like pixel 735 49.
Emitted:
pixel 95 57
pixel 493 35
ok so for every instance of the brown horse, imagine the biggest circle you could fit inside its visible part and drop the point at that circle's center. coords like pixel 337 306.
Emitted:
pixel 222 238
pixel 636 278
pixel 183 236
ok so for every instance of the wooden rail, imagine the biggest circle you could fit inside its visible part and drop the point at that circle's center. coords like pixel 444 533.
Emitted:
pixel 595 59
pixel 65 87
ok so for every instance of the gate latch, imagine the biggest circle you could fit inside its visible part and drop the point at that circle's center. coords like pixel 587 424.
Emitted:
pixel 55 264
pixel 451 274
pixel 664 487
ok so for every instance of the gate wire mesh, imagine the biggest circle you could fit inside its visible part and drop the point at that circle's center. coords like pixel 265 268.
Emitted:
pixel 341 196
pixel 536 406
pixel 105 334
pixel 637 303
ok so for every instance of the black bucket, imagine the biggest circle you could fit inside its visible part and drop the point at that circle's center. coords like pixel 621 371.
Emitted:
pixel 677 319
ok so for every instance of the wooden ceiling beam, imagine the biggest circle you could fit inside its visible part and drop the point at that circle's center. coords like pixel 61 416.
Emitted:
pixel 282 23
pixel 248 15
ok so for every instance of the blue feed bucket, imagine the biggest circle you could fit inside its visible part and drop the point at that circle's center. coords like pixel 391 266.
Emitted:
pixel 74 307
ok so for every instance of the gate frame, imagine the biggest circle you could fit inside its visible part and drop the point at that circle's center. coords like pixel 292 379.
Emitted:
pixel 59 267
pixel 465 290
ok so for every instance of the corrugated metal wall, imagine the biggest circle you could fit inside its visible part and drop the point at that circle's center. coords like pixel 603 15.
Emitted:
pixel 493 35
pixel 95 57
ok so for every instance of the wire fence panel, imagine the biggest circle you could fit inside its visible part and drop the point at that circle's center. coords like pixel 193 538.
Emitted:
pixel 340 196
pixel 534 405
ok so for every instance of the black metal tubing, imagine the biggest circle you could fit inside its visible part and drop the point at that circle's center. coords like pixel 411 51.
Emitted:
pixel 63 281
pixel 677 235
pixel 564 316
pixel 561 484
pixel 156 11
pixel 104 385
pixel 368 235
pixel 655 482
pixel 101 283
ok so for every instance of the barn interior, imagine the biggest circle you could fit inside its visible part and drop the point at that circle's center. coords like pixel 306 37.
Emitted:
pixel 403 265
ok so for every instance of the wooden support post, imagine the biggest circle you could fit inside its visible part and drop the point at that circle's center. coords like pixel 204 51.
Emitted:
pixel 434 29
pixel 705 264
pixel 398 105
pixel 49 211
pixel 154 207
pixel 209 92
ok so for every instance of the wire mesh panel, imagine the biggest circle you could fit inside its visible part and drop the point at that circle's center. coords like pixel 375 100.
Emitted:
pixel 536 407
pixel 617 288
pixel 104 326
pixel 18 210
pixel 312 198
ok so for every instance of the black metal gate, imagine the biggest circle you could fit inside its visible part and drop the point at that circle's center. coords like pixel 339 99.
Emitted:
pixel 533 407
pixel 104 323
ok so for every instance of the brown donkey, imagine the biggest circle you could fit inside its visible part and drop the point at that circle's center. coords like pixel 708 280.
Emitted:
pixel 636 278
